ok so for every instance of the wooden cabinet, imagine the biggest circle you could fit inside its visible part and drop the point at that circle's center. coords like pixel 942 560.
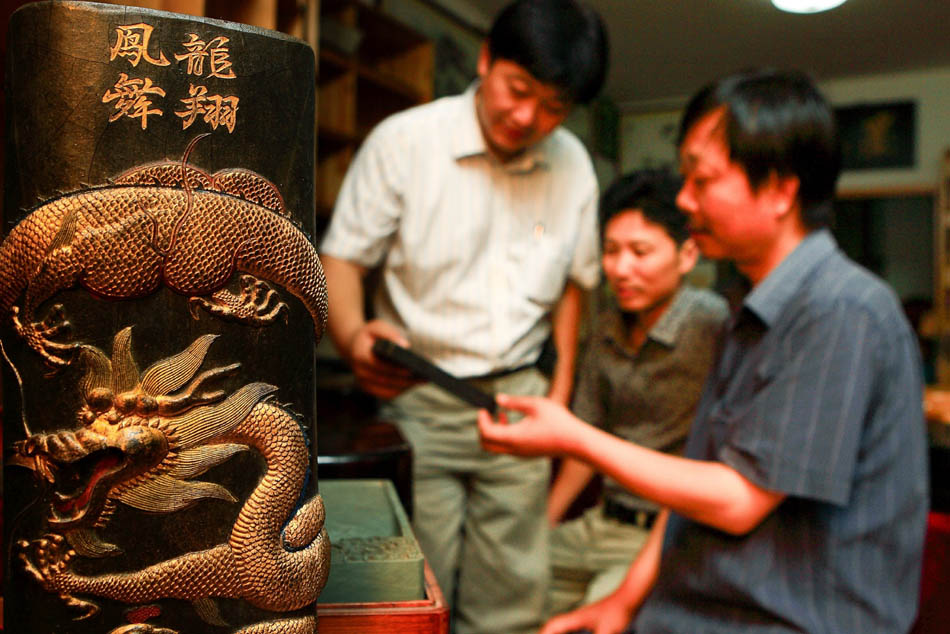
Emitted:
pixel 370 66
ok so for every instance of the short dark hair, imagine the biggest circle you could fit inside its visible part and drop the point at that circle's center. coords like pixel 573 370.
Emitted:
pixel 776 121
pixel 653 193
pixel 560 42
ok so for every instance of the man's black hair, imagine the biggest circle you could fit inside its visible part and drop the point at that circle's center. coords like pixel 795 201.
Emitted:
pixel 653 193
pixel 560 42
pixel 776 121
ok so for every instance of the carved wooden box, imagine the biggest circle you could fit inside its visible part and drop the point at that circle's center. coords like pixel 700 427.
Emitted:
pixel 375 556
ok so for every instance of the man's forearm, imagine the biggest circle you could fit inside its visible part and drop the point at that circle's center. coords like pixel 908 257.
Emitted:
pixel 345 295
pixel 564 328
pixel 571 479
pixel 643 572
pixel 708 492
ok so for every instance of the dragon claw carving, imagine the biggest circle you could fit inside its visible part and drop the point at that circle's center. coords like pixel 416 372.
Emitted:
pixel 46 560
pixel 40 335
pixel 257 304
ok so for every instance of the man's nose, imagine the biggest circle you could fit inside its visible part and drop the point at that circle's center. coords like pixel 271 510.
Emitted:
pixel 626 262
pixel 685 200
pixel 525 112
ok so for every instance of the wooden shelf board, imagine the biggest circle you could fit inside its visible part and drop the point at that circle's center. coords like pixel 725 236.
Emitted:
pixel 390 84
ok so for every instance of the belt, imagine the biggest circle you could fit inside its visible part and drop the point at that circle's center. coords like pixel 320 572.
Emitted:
pixel 635 517
pixel 498 374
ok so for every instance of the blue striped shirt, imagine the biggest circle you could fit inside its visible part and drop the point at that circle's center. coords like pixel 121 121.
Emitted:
pixel 817 393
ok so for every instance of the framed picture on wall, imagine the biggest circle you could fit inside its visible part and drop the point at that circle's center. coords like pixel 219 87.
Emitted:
pixel 878 135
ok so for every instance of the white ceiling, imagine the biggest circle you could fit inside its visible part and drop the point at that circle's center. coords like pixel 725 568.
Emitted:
pixel 663 50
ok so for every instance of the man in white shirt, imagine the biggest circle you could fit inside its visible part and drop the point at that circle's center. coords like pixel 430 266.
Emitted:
pixel 481 212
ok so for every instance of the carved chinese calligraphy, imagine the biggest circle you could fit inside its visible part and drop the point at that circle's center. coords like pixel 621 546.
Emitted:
pixel 208 59
pixel 163 222
pixel 132 98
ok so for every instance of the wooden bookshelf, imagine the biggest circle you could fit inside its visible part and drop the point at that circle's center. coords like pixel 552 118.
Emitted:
pixel 370 66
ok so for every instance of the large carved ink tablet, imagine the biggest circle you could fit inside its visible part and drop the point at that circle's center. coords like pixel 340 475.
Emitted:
pixel 159 302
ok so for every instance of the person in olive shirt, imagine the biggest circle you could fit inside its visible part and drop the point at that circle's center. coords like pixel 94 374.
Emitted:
pixel 640 378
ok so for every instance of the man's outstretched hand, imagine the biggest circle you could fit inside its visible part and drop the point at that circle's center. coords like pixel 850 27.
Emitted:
pixel 610 615
pixel 547 428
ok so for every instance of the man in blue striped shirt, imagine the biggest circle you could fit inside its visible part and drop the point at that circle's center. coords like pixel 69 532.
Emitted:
pixel 800 502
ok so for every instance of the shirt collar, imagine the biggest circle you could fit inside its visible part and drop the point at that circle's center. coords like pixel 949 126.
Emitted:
pixel 768 299
pixel 667 328
pixel 468 139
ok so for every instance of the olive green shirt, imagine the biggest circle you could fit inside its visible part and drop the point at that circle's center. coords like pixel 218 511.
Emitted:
pixel 649 396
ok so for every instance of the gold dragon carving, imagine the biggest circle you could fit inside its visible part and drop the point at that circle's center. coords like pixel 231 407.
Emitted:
pixel 175 225
pixel 167 223
pixel 141 440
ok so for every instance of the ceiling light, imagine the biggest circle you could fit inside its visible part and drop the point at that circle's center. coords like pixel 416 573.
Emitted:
pixel 806 6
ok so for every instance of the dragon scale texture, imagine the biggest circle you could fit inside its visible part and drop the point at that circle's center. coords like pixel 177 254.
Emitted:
pixel 176 226
pixel 125 240
pixel 262 563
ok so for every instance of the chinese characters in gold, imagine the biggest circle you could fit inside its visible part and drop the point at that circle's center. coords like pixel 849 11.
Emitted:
pixel 202 58
pixel 132 44
pixel 215 109
pixel 215 51
pixel 131 97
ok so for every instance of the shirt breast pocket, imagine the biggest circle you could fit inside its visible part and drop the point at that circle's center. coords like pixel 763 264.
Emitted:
pixel 736 413
pixel 542 270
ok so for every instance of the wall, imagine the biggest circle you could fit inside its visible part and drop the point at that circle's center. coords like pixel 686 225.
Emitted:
pixel 876 232
pixel 931 90
pixel 646 138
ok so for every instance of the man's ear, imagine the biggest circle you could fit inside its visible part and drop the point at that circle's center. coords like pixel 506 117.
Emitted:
pixel 784 190
pixel 687 256
pixel 484 60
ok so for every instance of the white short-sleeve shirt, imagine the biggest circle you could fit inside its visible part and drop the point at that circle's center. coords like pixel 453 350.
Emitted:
pixel 474 252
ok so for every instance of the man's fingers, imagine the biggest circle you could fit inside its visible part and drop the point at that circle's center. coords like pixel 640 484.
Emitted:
pixel 570 622
pixel 384 381
pixel 385 371
pixel 518 403
pixel 493 434
pixel 383 329
pixel 485 421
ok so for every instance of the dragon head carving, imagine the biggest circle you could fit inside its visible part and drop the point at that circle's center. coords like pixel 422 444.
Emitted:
pixel 141 436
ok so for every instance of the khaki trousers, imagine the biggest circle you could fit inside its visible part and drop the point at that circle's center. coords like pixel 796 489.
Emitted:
pixel 479 517
pixel 590 556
